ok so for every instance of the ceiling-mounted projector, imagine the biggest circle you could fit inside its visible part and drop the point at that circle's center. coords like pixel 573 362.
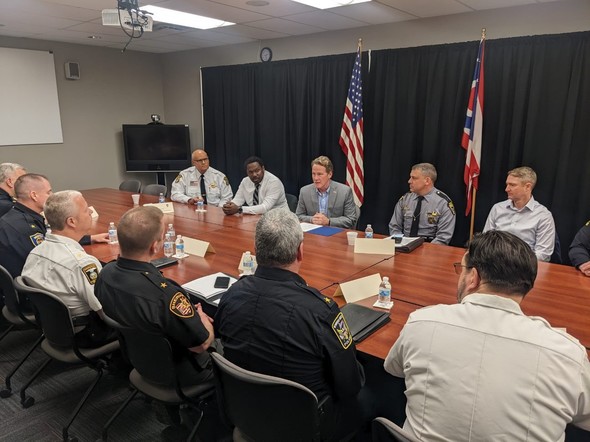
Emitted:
pixel 110 17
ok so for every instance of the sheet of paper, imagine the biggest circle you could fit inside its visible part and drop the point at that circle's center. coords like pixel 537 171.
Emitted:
pixel 204 286
pixel 306 227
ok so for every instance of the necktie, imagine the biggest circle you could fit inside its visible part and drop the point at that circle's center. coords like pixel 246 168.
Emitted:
pixel 203 192
pixel 255 198
pixel 416 220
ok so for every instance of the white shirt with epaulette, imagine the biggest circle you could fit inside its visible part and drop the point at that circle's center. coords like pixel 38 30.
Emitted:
pixel 187 185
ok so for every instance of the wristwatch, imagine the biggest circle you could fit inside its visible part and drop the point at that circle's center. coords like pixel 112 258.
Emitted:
pixel 240 210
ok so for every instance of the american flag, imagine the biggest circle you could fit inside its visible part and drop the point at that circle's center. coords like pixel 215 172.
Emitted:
pixel 471 140
pixel 351 135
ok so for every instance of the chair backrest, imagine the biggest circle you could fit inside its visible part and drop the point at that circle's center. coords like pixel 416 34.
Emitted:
pixel 52 314
pixel 357 209
pixel 151 355
pixel 265 408
pixel 154 189
pixel 384 430
pixel 291 202
pixel 8 291
pixel 556 256
pixel 131 186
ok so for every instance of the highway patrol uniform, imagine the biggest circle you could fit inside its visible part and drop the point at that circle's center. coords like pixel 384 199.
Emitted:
pixel 6 202
pixel 187 185
pixel 62 267
pixel 437 216
pixel 137 295
pixel 274 323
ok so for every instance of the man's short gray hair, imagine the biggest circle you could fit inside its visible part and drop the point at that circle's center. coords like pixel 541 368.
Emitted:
pixel 525 174
pixel 427 169
pixel 7 170
pixel 59 207
pixel 278 235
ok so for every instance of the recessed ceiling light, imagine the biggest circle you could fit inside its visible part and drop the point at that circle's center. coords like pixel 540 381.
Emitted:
pixel 183 18
pixel 257 3
pixel 325 4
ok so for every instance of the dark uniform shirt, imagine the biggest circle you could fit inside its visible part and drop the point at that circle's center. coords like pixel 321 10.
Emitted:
pixel 580 248
pixel 273 323
pixel 137 295
pixel 21 230
pixel 6 202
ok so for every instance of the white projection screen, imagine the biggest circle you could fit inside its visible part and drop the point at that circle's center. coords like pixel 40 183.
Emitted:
pixel 29 107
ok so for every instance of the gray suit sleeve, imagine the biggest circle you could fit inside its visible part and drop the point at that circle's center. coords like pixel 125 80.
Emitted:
pixel 348 219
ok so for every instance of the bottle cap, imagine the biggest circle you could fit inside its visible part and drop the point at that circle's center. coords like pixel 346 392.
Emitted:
pixel 385 279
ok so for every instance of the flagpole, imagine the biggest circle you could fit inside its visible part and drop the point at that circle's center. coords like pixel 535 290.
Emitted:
pixel 474 193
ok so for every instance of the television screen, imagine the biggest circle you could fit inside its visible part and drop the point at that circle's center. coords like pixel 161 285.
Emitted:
pixel 156 147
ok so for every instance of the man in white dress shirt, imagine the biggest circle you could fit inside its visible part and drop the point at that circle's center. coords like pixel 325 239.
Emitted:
pixel 481 370
pixel 258 193
pixel 522 215
pixel 201 181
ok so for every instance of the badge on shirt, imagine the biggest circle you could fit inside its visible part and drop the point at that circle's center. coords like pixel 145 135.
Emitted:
pixel 37 238
pixel 226 181
pixel 213 185
pixel 181 306
pixel 432 217
pixel 340 327
pixel 178 178
pixel 91 273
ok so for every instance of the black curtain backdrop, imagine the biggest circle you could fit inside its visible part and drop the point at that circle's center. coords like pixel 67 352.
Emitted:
pixel 536 113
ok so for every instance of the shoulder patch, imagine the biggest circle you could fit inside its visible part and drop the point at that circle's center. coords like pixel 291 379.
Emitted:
pixel 178 178
pixel 91 273
pixel 225 180
pixel 342 331
pixel 587 223
pixel 448 200
pixel 181 306
pixel 37 238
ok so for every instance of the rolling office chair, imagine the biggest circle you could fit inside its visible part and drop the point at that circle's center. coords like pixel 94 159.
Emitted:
pixel 20 318
pixel 60 344
pixel 131 186
pixel 265 408
pixel 291 202
pixel 386 431
pixel 155 375
pixel 154 189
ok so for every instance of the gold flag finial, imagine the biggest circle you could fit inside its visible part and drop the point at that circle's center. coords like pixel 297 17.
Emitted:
pixel 360 42
pixel 483 33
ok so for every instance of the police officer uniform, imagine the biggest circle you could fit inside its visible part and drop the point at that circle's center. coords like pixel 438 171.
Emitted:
pixel 187 185
pixel 580 248
pixel 437 216
pixel 135 294
pixel 6 202
pixel 21 229
pixel 274 323
pixel 62 267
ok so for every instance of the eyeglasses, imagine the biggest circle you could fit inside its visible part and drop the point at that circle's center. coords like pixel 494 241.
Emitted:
pixel 202 160
pixel 459 267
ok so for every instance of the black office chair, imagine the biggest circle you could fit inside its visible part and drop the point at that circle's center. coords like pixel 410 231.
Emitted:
pixel 60 344
pixel 154 189
pixel 386 431
pixel 155 375
pixel 291 202
pixel 131 186
pixel 20 317
pixel 265 408
pixel 556 256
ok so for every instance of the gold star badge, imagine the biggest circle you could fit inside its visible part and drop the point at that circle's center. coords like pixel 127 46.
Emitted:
pixel 163 285
pixel 327 300
pixel 33 226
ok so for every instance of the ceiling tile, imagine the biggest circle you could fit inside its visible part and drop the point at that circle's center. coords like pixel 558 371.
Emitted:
pixel 285 26
pixel 427 8
pixel 493 4
pixel 326 20
pixel 275 8
pixel 373 13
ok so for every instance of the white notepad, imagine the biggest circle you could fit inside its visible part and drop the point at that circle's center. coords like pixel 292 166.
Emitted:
pixel 203 287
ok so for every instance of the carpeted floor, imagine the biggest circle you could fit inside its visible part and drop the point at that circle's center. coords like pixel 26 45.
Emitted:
pixel 57 391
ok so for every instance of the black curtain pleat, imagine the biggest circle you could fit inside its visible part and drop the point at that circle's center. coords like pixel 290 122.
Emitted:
pixel 536 113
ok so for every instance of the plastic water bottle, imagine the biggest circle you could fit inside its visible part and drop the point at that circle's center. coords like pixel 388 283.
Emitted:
pixel 168 246
pixel 369 231
pixel 248 264
pixel 385 291
pixel 179 246
pixel 161 198
pixel 171 231
pixel 200 204
pixel 113 234
pixel 48 229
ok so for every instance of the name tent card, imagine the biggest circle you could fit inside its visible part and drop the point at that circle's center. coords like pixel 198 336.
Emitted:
pixel 374 246
pixel 360 288
pixel 94 213
pixel 164 207
pixel 197 247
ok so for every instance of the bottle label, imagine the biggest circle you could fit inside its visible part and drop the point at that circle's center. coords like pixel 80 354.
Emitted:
pixel 384 295
pixel 368 234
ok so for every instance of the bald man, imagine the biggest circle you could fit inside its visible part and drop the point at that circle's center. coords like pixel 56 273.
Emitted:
pixel 201 181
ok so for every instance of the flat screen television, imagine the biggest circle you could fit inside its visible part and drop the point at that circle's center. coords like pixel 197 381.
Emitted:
pixel 156 147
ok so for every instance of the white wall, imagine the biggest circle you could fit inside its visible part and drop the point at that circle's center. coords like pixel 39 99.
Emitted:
pixel 120 88
pixel 114 88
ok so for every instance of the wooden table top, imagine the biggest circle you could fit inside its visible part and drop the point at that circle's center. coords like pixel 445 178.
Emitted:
pixel 421 278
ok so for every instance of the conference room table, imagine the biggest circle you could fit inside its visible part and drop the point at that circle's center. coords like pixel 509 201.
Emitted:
pixel 423 277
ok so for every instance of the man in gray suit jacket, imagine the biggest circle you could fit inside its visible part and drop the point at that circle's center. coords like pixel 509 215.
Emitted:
pixel 326 202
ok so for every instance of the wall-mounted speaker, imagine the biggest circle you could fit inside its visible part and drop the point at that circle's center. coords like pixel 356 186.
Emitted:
pixel 72 70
